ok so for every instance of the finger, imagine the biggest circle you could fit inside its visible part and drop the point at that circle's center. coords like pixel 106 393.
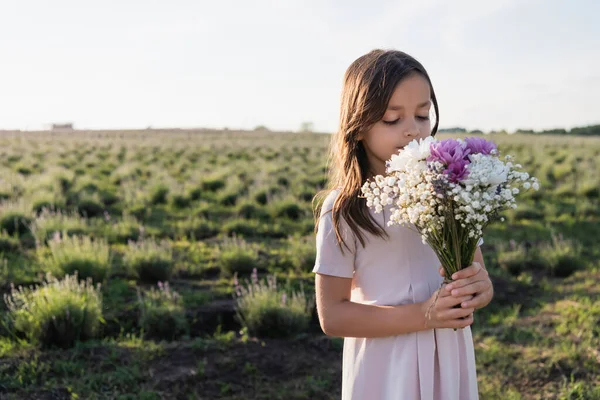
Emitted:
pixel 450 301
pixel 461 323
pixel 441 271
pixel 473 288
pixel 444 292
pixel 455 313
pixel 463 282
pixel 478 301
pixel 471 270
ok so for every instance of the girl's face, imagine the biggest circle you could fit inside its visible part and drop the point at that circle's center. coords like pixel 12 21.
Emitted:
pixel 406 118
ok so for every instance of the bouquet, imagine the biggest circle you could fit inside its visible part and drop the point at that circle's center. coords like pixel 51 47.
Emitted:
pixel 448 191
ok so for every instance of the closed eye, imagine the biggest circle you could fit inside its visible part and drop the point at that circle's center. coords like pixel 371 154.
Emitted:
pixel 394 122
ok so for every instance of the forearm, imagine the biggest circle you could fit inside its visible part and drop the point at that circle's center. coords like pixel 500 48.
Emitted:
pixel 350 319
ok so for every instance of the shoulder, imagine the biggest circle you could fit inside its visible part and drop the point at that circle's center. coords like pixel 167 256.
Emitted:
pixel 329 201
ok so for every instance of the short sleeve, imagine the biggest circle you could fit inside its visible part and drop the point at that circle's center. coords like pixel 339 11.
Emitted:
pixel 330 259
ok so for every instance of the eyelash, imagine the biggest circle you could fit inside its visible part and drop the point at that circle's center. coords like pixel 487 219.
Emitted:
pixel 396 121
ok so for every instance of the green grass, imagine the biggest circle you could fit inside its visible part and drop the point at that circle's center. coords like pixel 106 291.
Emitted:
pixel 195 207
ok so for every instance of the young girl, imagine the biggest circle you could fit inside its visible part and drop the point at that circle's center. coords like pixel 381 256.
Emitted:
pixel 375 283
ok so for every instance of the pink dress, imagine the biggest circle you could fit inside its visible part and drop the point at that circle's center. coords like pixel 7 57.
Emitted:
pixel 436 364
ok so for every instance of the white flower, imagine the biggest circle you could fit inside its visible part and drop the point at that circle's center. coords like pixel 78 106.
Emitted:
pixel 414 152
pixel 526 185
pixel 535 186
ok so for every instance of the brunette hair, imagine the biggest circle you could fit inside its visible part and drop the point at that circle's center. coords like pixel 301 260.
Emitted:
pixel 368 85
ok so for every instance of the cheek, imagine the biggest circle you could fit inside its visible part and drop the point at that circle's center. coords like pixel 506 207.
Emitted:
pixel 425 128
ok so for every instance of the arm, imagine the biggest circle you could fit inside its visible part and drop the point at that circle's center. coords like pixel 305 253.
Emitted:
pixel 339 316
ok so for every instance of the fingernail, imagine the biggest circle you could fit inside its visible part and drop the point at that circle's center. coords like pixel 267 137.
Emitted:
pixel 464 304
pixel 454 292
pixel 454 276
pixel 449 287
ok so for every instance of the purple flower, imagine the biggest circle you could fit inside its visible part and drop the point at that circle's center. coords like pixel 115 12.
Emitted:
pixel 457 171
pixel 479 145
pixel 448 151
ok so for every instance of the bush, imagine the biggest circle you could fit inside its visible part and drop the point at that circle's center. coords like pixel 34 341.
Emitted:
pixel 180 201
pixel 47 200
pixel 237 256
pixel 57 313
pixel 49 222
pixel 240 227
pixel 298 254
pixel 15 217
pixel 267 311
pixel 90 206
pixel 68 255
pixel 123 230
pixel 8 244
pixel 288 209
pixel 197 228
pixel 149 260
pixel 212 185
pixel 250 210
pixel 159 194
pixel 162 315
pixel 518 258
pixel 562 257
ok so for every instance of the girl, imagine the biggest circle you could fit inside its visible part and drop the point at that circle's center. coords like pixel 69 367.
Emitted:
pixel 374 283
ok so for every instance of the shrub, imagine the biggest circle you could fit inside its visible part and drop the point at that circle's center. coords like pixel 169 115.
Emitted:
pixel 57 312
pixel 288 209
pixel 149 260
pixel 8 243
pixel 15 217
pixel 212 184
pixel 562 257
pixel 180 200
pixel 49 222
pixel 47 200
pixel 250 210
pixel 122 230
pixel 159 194
pixel 67 255
pixel 268 311
pixel 241 227
pixel 162 315
pixel 237 256
pixel 90 205
pixel 298 254
pixel 197 228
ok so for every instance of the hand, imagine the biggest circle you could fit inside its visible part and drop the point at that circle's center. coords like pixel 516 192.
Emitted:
pixel 440 311
pixel 473 280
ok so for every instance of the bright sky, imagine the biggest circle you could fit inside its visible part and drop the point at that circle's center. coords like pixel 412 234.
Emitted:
pixel 500 64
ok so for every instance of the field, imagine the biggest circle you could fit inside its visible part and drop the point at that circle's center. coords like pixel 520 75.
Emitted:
pixel 133 210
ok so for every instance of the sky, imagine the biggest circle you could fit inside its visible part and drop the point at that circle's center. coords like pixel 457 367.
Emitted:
pixel 494 64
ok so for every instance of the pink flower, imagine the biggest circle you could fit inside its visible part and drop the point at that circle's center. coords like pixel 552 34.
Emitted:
pixel 478 145
pixel 457 171
pixel 448 151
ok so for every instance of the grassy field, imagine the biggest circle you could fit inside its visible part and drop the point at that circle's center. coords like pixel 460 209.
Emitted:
pixel 133 210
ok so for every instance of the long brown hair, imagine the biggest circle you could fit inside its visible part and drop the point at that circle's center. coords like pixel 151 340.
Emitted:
pixel 369 83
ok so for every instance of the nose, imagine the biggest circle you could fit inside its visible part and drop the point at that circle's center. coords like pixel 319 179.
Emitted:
pixel 411 130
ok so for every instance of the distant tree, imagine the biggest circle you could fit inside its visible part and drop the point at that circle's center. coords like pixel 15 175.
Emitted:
pixel 592 130
pixel 307 127
pixel 476 132
pixel 261 128
pixel 554 132
pixel 453 130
